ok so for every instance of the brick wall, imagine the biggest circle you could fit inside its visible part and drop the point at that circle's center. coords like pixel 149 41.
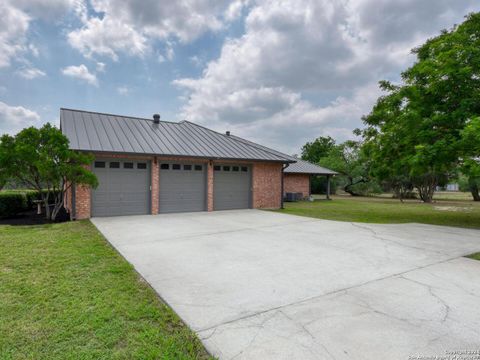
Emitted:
pixel 297 183
pixel 267 185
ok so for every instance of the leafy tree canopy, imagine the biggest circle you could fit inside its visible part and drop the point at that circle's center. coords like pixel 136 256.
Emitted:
pixel 414 132
pixel 315 150
pixel 41 159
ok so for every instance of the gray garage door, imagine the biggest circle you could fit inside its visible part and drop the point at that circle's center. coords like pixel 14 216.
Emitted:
pixel 231 187
pixel 182 187
pixel 124 187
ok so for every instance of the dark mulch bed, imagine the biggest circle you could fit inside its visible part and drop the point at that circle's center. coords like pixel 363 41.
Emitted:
pixel 32 218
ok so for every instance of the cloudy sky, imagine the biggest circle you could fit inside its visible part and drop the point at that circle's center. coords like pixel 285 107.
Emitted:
pixel 277 72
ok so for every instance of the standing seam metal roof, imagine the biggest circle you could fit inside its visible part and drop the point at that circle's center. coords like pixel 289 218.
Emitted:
pixel 306 167
pixel 100 132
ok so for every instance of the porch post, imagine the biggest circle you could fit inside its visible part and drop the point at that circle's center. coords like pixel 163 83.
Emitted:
pixel 328 187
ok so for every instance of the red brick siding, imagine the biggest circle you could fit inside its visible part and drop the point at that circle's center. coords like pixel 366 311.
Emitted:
pixel 297 183
pixel 82 202
pixel 267 185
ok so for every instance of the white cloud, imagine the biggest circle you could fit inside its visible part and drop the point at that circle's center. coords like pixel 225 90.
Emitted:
pixel 196 60
pixel 303 66
pixel 15 118
pixel 123 90
pixel 129 26
pixel 100 67
pixel 31 73
pixel 234 10
pixel 13 30
pixel 46 9
pixel 14 25
pixel 80 72
pixel 106 37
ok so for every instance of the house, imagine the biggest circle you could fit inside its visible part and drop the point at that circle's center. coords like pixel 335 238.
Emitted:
pixel 148 166
pixel 298 177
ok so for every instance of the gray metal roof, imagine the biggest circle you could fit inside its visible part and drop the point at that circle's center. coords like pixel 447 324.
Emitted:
pixel 299 167
pixel 99 132
pixel 305 167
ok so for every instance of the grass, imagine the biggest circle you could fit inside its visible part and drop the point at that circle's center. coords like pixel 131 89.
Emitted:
pixel 66 294
pixel 457 212
pixel 475 256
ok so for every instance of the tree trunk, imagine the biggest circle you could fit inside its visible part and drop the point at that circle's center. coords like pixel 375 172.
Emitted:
pixel 58 204
pixel 475 191
pixel 347 188
pixel 427 189
pixel 45 199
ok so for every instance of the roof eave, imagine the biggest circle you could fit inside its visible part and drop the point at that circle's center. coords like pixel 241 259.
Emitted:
pixel 106 152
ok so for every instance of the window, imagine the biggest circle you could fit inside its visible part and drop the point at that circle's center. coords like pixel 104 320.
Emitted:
pixel 114 165
pixel 216 168
pixel 99 164
pixel 226 168
pixel 176 167
pixel 187 167
pixel 198 167
pixel 235 168
pixel 142 166
pixel 128 165
pixel 244 169
pixel 165 166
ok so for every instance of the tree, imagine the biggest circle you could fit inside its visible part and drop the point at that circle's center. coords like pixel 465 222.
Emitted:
pixel 347 159
pixel 315 150
pixel 471 159
pixel 41 159
pixel 414 131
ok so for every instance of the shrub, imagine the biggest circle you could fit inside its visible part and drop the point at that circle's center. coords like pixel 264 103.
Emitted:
pixel 12 203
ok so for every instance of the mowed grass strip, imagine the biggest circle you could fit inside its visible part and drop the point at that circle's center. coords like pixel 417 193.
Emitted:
pixel 381 210
pixel 475 256
pixel 66 294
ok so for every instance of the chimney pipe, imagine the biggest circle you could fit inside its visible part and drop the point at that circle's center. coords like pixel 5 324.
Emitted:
pixel 156 118
pixel 227 133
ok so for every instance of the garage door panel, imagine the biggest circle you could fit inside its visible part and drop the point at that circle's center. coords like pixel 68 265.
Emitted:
pixel 182 190
pixel 231 189
pixel 121 191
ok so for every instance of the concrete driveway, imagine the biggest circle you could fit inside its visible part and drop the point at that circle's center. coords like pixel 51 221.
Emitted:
pixel 263 285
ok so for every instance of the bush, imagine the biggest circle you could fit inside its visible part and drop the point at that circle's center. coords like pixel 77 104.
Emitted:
pixel 12 203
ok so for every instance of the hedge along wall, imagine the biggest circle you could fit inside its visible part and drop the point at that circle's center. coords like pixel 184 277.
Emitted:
pixel 13 202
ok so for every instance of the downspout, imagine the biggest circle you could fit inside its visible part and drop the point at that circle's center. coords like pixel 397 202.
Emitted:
pixel 73 211
pixel 281 195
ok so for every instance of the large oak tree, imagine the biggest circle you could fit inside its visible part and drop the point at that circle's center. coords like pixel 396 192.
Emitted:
pixel 414 132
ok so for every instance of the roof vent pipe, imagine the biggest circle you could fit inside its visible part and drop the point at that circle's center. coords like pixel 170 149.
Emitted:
pixel 156 118
pixel 227 133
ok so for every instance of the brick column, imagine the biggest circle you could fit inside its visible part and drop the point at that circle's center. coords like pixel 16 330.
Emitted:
pixel 155 186
pixel 82 202
pixel 210 185
pixel 83 196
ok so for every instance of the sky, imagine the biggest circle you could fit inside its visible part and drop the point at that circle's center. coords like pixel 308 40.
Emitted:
pixel 280 72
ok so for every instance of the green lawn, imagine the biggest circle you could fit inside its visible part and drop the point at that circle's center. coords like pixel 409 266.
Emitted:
pixel 66 294
pixel 462 213
pixel 475 256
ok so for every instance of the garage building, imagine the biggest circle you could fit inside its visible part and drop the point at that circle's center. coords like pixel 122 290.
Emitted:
pixel 148 166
